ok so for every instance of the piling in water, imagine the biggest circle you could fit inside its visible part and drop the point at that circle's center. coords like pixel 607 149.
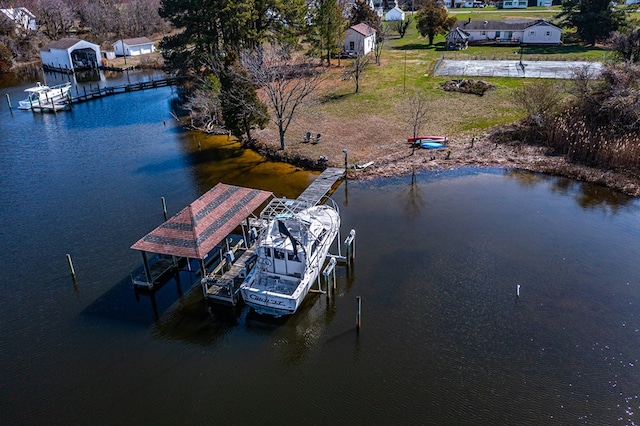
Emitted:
pixel 70 262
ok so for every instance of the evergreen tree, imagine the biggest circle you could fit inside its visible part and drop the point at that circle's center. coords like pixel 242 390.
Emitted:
pixel 433 19
pixel 210 27
pixel 361 12
pixel 594 20
pixel 241 108
pixel 326 32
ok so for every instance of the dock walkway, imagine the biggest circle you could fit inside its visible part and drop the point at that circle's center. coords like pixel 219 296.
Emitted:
pixel 322 185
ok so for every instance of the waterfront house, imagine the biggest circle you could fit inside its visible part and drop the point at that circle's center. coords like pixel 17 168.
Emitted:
pixel 21 17
pixel 359 39
pixel 526 32
pixel 395 14
pixel 133 46
pixel 70 54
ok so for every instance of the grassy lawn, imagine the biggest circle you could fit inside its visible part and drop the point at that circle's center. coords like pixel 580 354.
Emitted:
pixel 373 123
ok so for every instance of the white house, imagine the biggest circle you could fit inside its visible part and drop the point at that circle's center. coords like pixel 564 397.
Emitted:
pixel 395 14
pixel 360 38
pixel 21 17
pixel 511 32
pixel 133 46
pixel 628 2
pixel 511 4
pixel 70 54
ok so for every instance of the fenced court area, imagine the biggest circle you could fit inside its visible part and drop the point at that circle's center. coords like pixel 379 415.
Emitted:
pixel 514 68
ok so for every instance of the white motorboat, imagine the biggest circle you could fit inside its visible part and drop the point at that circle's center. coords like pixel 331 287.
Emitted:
pixel 291 251
pixel 41 96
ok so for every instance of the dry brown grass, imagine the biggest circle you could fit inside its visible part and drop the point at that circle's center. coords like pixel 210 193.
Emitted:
pixel 371 132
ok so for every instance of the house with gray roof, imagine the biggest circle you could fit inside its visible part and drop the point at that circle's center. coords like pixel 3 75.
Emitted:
pixel 133 46
pixel 514 32
pixel 70 54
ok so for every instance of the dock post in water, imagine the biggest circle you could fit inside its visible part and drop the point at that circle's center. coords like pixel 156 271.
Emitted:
pixel 70 262
pixel 9 101
pixel 164 209
pixel 346 167
pixel 350 247
pixel 359 312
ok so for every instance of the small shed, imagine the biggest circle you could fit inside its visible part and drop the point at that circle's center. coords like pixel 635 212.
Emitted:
pixel 133 46
pixel 457 40
pixel 70 54
pixel 360 39
pixel 395 14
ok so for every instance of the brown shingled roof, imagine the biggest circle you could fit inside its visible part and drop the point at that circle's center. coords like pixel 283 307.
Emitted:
pixel 200 226
pixel 363 29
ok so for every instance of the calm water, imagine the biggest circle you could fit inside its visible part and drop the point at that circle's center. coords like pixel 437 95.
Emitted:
pixel 444 339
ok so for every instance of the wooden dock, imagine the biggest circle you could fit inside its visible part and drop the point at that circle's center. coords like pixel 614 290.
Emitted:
pixel 224 288
pixel 100 92
pixel 322 185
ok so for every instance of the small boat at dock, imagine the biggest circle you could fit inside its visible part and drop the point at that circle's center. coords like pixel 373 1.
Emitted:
pixel 429 142
pixel 42 96
pixel 290 253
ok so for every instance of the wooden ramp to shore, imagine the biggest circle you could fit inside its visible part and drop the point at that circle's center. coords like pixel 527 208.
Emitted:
pixel 321 186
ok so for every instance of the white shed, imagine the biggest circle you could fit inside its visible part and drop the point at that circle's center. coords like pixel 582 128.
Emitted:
pixel 360 38
pixel 133 46
pixel 395 14
pixel 70 54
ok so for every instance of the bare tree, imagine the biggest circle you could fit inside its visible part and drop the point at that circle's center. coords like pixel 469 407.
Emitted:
pixel 356 69
pixel 284 82
pixel 378 49
pixel 539 99
pixel 416 113
pixel 401 26
pixel 56 17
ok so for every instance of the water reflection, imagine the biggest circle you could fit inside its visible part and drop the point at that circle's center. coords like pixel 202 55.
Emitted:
pixel 588 196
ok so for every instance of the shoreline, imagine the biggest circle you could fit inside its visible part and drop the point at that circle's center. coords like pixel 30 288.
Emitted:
pixel 482 152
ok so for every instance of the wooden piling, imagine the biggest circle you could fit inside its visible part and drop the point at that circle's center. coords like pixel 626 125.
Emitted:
pixel 70 262
pixel 164 209
pixel 359 311
pixel 9 101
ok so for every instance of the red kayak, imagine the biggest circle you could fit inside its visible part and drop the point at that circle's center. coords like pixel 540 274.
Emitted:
pixel 420 139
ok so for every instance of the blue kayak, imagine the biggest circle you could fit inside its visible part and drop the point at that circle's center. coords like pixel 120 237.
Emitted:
pixel 432 145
